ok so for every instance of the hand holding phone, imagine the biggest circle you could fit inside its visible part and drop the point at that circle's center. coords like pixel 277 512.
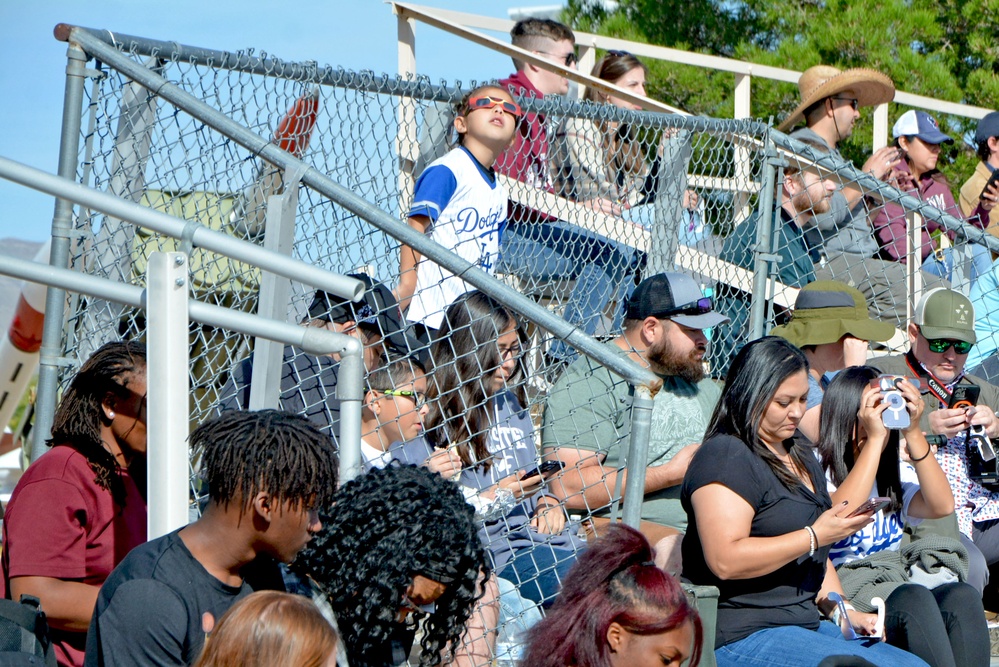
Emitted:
pixel 993 179
pixel 965 395
pixel 545 469
pixel 870 507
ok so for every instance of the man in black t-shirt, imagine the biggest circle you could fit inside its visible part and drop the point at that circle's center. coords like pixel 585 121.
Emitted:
pixel 267 474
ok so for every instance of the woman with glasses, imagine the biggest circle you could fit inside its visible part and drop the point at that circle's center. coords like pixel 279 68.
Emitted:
pixel 946 625
pixel 761 523
pixel 920 142
pixel 477 410
pixel 78 510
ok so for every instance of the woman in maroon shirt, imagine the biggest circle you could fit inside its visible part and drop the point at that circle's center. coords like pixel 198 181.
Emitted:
pixel 77 511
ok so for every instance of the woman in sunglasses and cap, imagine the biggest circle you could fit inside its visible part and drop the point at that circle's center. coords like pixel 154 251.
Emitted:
pixel 832 326
pixel 919 138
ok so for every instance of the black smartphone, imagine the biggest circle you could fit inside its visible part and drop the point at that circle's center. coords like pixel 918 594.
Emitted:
pixel 545 469
pixel 993 179
pixel 964 396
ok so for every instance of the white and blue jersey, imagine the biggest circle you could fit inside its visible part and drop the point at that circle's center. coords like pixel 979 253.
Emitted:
pixel 885 534
pixel 467 208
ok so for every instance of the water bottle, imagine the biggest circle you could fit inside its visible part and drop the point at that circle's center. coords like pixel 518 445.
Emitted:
pixel 509 649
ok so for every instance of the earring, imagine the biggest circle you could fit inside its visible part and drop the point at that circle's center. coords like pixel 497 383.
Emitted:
pixel 110 414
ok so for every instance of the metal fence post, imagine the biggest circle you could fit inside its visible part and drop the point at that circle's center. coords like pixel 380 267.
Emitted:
pixel 265 381
pixel 50 355
pixel 168 391
pixel 764 240
pixel 638 455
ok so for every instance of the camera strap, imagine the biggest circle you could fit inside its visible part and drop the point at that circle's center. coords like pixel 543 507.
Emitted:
pixel 933 385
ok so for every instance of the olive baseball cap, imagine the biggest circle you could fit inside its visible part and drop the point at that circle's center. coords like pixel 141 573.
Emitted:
pixel 945 313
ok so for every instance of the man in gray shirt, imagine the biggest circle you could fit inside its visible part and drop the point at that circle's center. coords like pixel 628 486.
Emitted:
pixel 840 240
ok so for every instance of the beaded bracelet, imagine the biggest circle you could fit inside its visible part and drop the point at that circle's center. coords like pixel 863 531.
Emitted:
pixel 813 540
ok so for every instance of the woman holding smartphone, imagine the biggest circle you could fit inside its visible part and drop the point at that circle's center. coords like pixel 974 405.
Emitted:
pixel 477 410
pixel 946 625
pixel 761 523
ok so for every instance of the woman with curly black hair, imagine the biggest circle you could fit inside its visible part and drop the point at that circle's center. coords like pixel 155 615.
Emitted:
pixel 617 609
pixel 78 510
pixel 477 410
pixel 398 545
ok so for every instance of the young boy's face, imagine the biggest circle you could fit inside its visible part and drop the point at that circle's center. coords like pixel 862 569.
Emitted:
pixel 493 126
pixel 399 419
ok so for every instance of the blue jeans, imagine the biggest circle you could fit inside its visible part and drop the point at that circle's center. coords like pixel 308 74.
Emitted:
pixel 793 646
pixel 604 270
pixel 538 572
pixel 981 263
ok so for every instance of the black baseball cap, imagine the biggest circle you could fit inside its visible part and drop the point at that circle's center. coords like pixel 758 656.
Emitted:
pixel 377 310
pixel 676 297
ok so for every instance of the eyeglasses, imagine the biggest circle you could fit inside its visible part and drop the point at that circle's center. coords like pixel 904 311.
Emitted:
pixel 854 102
pixel 702 306
pixel 618 54
pixel 487 102
pixel 418 397
pixel 408 604
pixel 512 352
pixel 939 345
pixel 570 58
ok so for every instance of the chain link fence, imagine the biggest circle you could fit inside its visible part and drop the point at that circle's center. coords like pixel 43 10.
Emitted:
pixel 622 194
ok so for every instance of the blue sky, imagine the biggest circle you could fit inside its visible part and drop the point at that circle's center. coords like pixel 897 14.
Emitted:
pixel 354 34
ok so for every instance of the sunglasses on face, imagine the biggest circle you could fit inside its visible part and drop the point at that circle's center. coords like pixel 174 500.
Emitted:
pixel 702 306
pixel 854 102
pixel 570 58
pixel 939 345
pixel 487 102
pixel 418 397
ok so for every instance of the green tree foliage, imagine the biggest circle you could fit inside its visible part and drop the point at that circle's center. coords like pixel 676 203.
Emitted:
pixel 945 49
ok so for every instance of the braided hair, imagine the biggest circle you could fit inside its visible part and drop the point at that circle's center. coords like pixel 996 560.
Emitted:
pixel 387 526
pixel 79 417
pixel 243 453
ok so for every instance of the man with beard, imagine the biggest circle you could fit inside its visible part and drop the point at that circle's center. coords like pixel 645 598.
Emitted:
pixel 587 418
pixel 801 195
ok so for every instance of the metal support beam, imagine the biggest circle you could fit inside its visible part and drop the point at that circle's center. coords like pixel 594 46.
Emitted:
pixel 50 355
pixel 167 383
pixel 265 380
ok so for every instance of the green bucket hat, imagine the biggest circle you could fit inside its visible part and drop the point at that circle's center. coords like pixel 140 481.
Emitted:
pixel 827 310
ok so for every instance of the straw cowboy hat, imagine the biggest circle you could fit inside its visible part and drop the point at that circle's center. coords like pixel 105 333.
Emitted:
pixel 822 81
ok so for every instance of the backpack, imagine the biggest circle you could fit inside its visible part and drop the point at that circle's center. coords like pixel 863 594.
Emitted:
pixel 24 634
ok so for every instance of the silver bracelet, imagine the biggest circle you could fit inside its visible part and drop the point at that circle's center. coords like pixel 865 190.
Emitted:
pixel 813 540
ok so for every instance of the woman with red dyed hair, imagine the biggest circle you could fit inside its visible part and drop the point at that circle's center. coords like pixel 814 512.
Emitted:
pixel 617 609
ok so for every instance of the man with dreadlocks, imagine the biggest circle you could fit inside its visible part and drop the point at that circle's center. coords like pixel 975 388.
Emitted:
pixel 267 472
pixel 77 511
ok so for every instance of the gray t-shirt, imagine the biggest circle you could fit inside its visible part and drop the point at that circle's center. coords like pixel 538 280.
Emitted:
pixel 840 230
pixel 589 409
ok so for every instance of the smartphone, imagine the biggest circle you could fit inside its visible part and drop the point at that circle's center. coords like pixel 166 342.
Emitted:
pixel 870 507
pixel 964 395
pixel 988 184
pixel 545 469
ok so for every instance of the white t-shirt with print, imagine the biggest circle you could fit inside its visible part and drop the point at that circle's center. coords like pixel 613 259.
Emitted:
pixel 885 534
